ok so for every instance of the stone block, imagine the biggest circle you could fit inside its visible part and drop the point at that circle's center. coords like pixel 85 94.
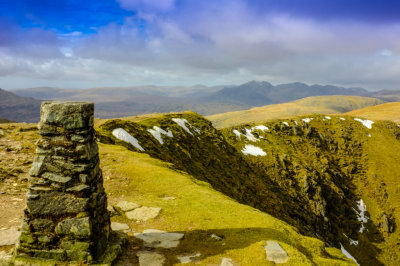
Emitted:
pixel 56 177
pixel 53 254
pixel 56 204
pixel 37 165
pixel 78 227
pixel 43 225
pixel 27 238
pixel 70 116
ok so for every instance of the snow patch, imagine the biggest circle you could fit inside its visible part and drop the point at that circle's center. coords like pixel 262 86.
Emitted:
pixel 352 242
pixel 181 122
pixel 197 130
pixel 367 123
pixel 157 131
pixel 253 150
pixel 361 214
pixel 250 136
pixel 285 123
pixel 121 134
pixel 261 127
pixel 328 117
pixel 307 120
pixel 341 118
pixel 347 254
pixel 237 133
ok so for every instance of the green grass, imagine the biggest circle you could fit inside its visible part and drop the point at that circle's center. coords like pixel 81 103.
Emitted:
pixel 199 211
pixel 310 105
pixel 386 111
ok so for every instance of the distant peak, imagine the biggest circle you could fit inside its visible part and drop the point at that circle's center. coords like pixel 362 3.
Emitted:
pixel 257 83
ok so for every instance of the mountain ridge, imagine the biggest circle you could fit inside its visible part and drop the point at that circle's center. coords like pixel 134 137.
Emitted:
pixel 128 101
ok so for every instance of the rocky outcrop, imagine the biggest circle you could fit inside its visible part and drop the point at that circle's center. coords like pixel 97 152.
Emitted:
pixel 66 217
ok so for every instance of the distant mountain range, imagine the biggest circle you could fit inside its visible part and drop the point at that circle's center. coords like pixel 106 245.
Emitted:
pixel 18 108
pixel 23 104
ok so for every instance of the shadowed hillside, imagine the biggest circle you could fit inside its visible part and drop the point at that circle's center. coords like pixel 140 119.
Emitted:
pixel 18 108
pixel 323 175
pixel 311 105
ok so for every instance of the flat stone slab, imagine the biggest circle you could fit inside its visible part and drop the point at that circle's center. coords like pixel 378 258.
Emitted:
pixel 149 258
pixel 275 252
pixel 159 239
pixel 121 227
pixel 143 214
pixel 9 236
pixel 226 262
pixel 187 258
pixel 126 206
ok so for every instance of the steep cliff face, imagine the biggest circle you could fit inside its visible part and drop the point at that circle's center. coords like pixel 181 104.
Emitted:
pixel 333 178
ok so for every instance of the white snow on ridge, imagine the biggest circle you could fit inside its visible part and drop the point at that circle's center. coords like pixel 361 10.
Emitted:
pixel 181 122
pixel 352 242
pixel 237 133
pixel 253 150
pixel 307 120
pixel 121 134
pixel 361 215
pixel 367 123
pixel 157 131
pixel 347 254
pixel 261 127
pixel 250 136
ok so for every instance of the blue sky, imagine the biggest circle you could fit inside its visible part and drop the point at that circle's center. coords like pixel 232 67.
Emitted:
pixel 81 44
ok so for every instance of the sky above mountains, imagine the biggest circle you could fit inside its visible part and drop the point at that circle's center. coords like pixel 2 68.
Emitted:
pixel 73 43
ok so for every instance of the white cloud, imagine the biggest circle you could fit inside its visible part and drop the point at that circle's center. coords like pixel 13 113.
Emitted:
pixel 211 42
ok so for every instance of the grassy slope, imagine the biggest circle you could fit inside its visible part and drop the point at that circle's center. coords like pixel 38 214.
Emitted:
pixel 199 211
pixel 309 105
pixel 2 121
pixel 386 111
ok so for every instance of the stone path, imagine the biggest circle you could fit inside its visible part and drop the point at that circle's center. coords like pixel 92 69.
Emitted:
pixel 134 211
pixel 153 238
pixel 150 258
pixel 121 227
pixel 126 206
pixel 9 236
pixel 143 214
pixel 188 258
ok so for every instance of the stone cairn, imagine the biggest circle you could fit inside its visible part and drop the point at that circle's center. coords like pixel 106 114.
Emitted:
pixel 66 217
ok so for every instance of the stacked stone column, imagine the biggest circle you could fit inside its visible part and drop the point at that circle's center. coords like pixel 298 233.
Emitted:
pixel 66 218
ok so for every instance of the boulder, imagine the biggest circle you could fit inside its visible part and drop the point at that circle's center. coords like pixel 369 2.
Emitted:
pixel 275 252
